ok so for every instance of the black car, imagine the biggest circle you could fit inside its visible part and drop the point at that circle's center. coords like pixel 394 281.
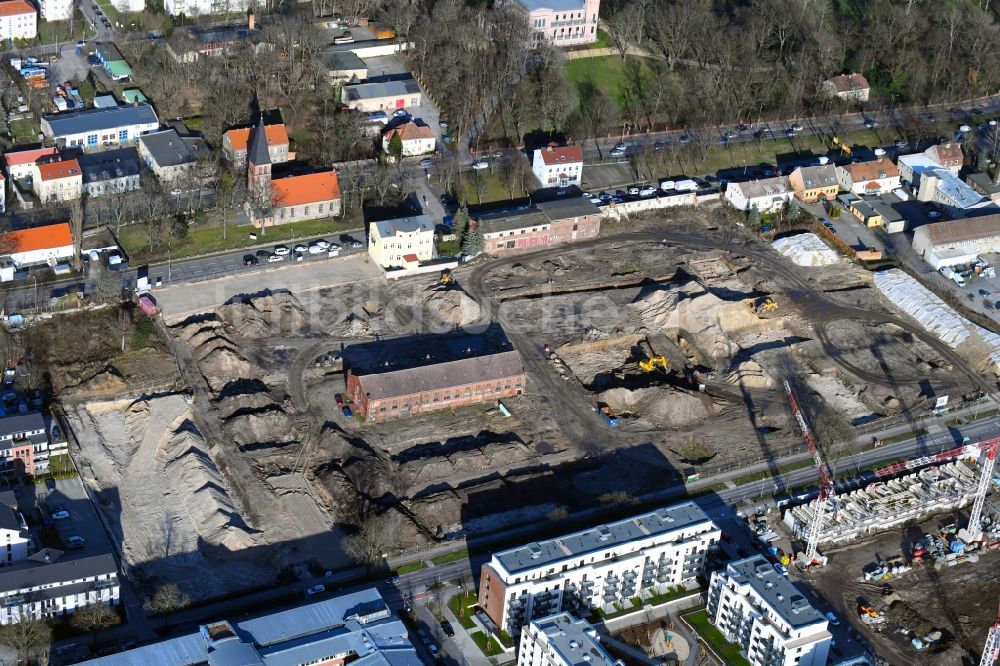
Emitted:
pixel 50 483
pixel 447 201
pixel 249 260
pixel 262 254
pixel 93 60
pixel 447 628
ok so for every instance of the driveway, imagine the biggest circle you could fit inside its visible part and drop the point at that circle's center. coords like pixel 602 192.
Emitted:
pixel 390 68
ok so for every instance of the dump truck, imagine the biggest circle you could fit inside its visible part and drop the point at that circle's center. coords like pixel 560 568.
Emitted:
pixel 608 415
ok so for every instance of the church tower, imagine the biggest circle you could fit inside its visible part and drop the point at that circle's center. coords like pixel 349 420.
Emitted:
pixel 259 165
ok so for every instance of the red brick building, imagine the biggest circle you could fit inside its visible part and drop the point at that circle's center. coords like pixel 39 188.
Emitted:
pixel 546 223
pixel 466 381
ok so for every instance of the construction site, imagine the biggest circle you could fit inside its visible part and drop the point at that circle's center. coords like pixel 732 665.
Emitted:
pixel 649 358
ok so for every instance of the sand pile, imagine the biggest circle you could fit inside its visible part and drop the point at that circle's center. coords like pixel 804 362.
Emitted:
pixel 806 250
pixel 660 405
pixel 452 306
pixel 265 315
pixel 218 358
pixel 751 375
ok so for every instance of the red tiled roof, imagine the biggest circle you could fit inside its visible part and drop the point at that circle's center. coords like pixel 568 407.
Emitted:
pixel 57 170
pixel 276 135
pixel 849 82
pixel 873 170
pixel 410 131
pixel 946 154
pixel 562 154
pixel 39 238
pixel 15 8
pixel 28 156
pixel 310 188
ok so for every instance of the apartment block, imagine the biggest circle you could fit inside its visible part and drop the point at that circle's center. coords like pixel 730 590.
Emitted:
pixel 45 586
pixel 562 640
pixel 760 610
pixel 24 444
pixel 597 567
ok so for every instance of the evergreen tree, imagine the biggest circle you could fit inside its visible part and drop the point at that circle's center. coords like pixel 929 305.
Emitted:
pixel 460 221
pixel 473 242
pixel 754 218
pixel 396 147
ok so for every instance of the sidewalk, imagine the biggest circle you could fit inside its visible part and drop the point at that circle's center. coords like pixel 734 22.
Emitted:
pixel 462 641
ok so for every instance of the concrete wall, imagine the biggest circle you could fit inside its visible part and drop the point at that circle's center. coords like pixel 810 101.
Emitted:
pixel 617 211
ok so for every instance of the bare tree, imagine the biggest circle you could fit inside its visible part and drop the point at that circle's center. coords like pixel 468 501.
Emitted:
pixel 166 600
pixel 95 618
pixel 27 633
pixel 372 542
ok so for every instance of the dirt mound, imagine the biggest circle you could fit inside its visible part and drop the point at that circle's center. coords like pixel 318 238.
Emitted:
pixel 452 306
pixel 218 358
pixel 265 315
pixel 751 375
pixel 659 405
pixel 268 427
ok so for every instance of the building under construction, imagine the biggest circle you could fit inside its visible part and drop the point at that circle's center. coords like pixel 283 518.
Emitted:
pixel 889 502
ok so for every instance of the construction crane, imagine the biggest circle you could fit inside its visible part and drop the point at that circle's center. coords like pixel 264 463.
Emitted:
pixel 650 364
pixel 992 644
pixel 985 479
pixel 826 490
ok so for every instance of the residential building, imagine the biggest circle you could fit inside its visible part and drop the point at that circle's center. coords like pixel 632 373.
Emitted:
pixel 814 183
pixel 770 620
pixel 558 166
pixel 351 628
pixel 274 201
pixel 21 163
pixel 193 8
pixel 172 157
pixel 851 87
pixel 383 96
pixel 3 195
pixel 346 67
pixel 110 172
pixel 957 241
pixel 22 248
pixel 429 385
pixel 563 22
pixel 186 46
pixel 409 240
pixel 14 532
pixel 540 225
pixel 871 178
pixel 235 142
pixel 985 184
pixel 874 213
pixel 597 567
pixel 766 195
pixel 24 443
pixel 562 640
pixel 56 10
pixel 946 155
pixel 57 181
pixel 416 139
pixel 44 586
pixel 93 128
pixel 18 20
pixel 946 189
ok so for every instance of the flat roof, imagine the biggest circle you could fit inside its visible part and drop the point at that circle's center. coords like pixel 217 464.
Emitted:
pixel 776 590
pixel 554 5
pixel 661 521
pixel 510 221
pixel 560 209
pixel 381 89
pixel 574 641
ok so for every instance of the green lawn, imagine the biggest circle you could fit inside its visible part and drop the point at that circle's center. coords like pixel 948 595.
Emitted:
pixel 206 239
pixel 23 130
pixel 450 557
pixel 109 10
pixel 466 601
pixel 485 187
pixel 488 646
pixel 411 567
pixel 606 73
pixel 730 653
pixel 603 41
pixel 58 31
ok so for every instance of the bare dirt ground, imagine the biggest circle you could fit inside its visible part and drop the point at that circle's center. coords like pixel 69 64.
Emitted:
pixel 958 601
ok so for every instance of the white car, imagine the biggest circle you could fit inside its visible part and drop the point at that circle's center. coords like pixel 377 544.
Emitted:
pixel 322 243
pixel 316 589
pixel 647 191
pixel 281 250
pixel 597 201
pixel 797 127
pixel 964 128
pixel 879 152
pixel 634 191
pixel 357 245
pixel 301 248
pixel 333 246
pixel 479 166
pixel 618 152
pixel 316 249
pixel 400 113
pixel 275 258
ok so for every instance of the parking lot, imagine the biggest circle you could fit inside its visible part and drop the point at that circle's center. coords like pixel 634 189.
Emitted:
pixel 68 494
pixel 390 68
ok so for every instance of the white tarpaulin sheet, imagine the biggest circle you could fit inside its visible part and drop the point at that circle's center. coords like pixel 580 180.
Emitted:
pixel 806 250
pixel 931 312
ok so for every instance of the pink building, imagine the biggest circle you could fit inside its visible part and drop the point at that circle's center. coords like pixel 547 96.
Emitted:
pixel 563 22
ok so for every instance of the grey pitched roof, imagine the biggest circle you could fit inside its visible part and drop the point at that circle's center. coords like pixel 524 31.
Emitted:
pixel 95 120
pixel 555 5
pixel 109 164
pixel 108 52
pixel 560 209
pixel 379 385
pixel 9 519
pixel 818 176
pixel 169 148
pixel 346 61
pixel 257 152
pixel 382 89
pixel 18 423
pixel 389 228
pixel 29 574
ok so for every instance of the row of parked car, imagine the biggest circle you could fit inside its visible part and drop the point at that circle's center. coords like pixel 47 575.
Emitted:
pixel 299 252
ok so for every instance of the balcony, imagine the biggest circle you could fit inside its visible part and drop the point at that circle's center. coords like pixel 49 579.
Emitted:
pixel 567 23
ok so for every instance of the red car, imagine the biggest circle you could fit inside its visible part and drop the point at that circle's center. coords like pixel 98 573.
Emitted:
pixel 339 400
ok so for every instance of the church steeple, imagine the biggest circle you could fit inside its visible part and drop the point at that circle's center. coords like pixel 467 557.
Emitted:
pixel 258 154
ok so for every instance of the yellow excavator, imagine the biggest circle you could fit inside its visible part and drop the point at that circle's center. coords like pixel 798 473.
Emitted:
pixel 650 364
pixel 765 304
pixel 446 279
pixel 843 147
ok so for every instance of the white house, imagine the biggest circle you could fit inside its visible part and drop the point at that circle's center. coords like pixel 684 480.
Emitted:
pixel 58 181
pixel 946 189
pixel 763 613
pixel 605 565
pixel 191 8
pixel 18 20
pixel 169 155
pixel 563 22
pixel 416 139
pixel 50 245
pixel 562 640
pixel 21 163
pixel 558 166
pixel 95 128
pixel 850 87
pixel 56 10
pixel 403 241
pixel 46 587
pixel 947 155
pixel 766 196
pixel 957 241
pixel 874 177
